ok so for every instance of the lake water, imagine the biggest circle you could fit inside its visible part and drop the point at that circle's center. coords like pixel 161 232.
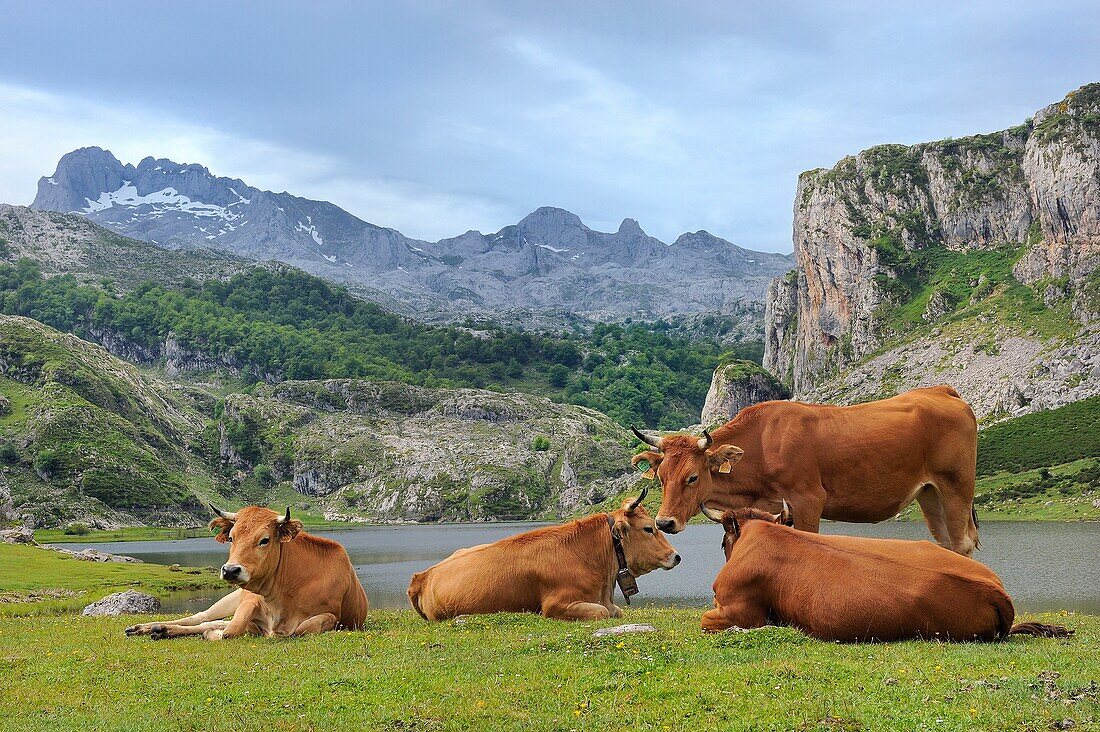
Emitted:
pixel 1045 566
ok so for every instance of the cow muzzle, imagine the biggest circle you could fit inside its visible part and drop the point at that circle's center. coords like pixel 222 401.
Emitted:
pixel 234 574
pixel 668 525
pixel 672 560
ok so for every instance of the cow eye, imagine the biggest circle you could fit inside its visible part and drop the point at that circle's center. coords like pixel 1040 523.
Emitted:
pixel 693 478
pixel 264 541
pixel 649 529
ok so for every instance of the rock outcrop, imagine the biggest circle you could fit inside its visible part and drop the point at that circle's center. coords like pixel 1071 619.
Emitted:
pixel 735 386
pixel 130 602
pixel 987 237
pixel 394 452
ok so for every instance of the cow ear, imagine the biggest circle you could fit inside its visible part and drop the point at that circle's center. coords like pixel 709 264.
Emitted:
pixel 225 525
pixel 620 529
pixel 722 458
pixel 288 530
pixel 653 458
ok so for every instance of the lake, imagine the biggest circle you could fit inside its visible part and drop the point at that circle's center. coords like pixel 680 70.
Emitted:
pixel 1045 565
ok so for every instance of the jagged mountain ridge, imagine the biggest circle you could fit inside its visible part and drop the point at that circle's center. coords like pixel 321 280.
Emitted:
pixel 970 261
pixel 549 261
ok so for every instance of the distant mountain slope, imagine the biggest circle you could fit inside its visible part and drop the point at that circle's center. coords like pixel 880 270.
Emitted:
pixel 70 244
pixel 969 261
pixel 549 262
pixel 87 437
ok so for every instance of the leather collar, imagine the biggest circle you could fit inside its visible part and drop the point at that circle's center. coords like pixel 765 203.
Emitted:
pixel 623 578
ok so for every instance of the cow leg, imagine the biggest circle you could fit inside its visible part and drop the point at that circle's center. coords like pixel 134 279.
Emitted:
pixel 575 611
pixel 248 620
pixel 806 509
pixel 165 631
pixel 957 500
pixel 929 499
pixel 317 624
pixel 738 614
pixel 615 610
pixel 220 610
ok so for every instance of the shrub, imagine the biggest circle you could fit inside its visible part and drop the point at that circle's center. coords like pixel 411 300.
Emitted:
pixel 76 529
pixel 540 443
pixel 1053 437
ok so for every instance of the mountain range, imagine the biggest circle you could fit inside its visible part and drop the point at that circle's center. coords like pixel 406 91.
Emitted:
pixel 547 263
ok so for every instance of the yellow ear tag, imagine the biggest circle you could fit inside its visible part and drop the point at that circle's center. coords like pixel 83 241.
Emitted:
pixel 725 467
pixel 651 474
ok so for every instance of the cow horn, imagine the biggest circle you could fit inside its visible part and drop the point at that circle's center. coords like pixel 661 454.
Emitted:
pixel 286 518
pixel 638 501
pixel 705 441
pixel 651 441
pixel 224 514
pixel 715 516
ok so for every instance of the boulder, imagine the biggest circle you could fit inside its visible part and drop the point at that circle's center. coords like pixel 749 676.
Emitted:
pixel 624 629
pixel 18 535
pixel 123 603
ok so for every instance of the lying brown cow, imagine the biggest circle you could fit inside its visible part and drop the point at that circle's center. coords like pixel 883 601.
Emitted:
pixel 290 583
pixel 566 572
pixel 862 463
pixel 846 588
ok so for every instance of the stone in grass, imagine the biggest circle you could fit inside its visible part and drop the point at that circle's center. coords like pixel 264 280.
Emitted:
pixel 124 603
pixel 624 629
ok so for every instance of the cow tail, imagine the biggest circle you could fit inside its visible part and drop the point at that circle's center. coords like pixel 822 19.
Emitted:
pixel 415 588
pixel 974 519
pixel 1041 630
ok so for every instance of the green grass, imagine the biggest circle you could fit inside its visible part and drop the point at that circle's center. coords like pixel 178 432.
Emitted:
pixel 1060 493
pixel 514 672
pixel 1041 439
pixel 35 581
pixel 508 672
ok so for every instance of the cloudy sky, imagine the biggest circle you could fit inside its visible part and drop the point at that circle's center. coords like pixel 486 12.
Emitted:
pixel 438 117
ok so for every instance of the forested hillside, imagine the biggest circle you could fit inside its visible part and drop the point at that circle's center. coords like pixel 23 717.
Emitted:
pixel 279 323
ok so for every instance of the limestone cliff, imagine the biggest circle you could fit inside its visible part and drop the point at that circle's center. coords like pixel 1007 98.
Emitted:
pixel 980 239
pixel 735 386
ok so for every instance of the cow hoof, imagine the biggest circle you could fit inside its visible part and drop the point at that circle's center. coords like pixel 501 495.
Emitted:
pixel 158 632
pixel 137 630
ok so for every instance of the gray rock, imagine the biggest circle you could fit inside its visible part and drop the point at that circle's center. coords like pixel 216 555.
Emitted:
pixel 735 386
pixel 624 629
pixel 549 262
pixel 7 508
pixel 20 535
pixel 123 603
pixel 95 555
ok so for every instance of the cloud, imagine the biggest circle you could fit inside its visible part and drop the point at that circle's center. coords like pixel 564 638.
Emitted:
pixel 593 113
pixel 39 127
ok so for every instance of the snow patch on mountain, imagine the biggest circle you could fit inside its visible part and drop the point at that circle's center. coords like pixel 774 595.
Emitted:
pixel 167 199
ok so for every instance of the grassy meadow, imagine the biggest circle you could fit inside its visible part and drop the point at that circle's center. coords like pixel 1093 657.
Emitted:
pixel 62 671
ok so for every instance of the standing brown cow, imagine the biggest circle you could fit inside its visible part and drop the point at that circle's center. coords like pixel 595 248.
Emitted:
pixel 848 588
pixel 862 463
pixel 565 572
pixel 289 583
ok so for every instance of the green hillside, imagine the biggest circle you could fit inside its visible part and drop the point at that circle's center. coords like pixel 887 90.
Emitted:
pixel 1041 439
pixel 285 324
